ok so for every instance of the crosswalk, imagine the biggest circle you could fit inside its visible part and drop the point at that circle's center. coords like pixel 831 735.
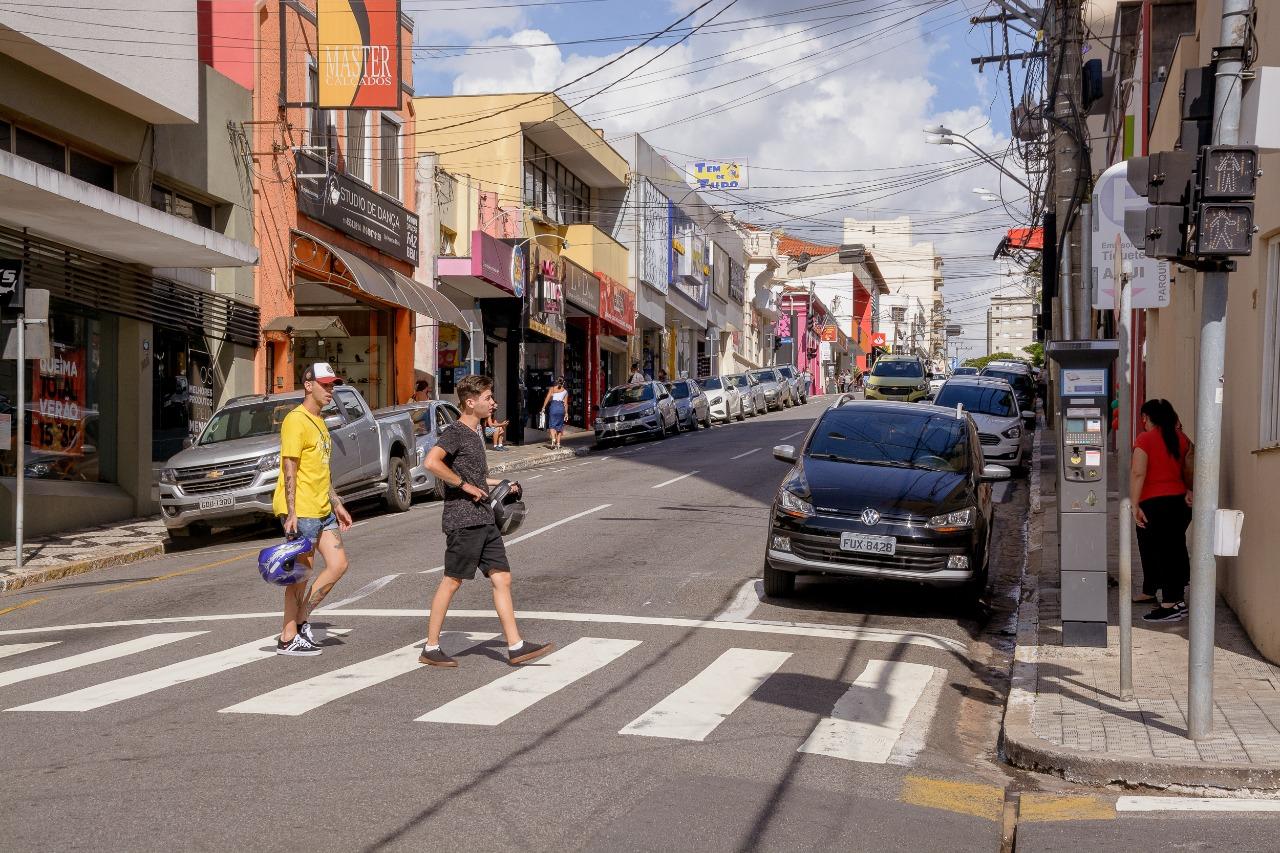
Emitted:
pixel 866 724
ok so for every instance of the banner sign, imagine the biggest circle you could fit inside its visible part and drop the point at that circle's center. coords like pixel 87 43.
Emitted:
pixel 717 175
pixel 1149 278
pixel 877 339
pixel 11 284
pixel 58 402
pixel 495 262
pixel 617 304
pixel 719 270
pixel 688 257
pixel 359 54
pixel 737 281
pixel 357 211
pixel 655 237
pixel 547 311
pixel 582 289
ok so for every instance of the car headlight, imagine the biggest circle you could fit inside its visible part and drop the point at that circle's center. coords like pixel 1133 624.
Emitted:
pixel 792 496
pixel 923 386
pixel 169 477
pixel 269 462
pixel 959 520
pixel 1012 432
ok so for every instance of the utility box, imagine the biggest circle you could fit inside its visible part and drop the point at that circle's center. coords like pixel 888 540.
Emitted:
pixel 1084 373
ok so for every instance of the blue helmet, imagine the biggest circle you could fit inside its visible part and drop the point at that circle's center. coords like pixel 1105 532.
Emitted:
pixel 277 563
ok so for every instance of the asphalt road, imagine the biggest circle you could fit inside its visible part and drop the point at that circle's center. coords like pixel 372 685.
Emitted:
pixel 144 709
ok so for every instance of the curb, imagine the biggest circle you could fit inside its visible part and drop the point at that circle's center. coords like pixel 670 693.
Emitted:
pixel 538 461
pixel 1023 748
pixel 79 567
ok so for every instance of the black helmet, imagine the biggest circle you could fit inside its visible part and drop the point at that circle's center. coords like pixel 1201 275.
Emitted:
pixel 508 509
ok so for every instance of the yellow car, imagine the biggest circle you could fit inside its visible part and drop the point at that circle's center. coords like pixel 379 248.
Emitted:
pixel 898 377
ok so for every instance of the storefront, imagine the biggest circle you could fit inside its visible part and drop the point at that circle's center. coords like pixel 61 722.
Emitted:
pixel 545 337
pixel 582 344
pixel 617 326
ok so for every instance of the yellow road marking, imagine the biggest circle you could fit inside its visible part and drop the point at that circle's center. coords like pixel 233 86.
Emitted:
pixel 984 801
pixel 1044 808
pixel 166 577
pixel 20 606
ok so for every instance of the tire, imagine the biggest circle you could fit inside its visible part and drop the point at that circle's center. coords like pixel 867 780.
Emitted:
pixel 399 496
pixel 742 414
pixel 437 491
pixel 693 421
pixel 778 584
pixel 976 588
pixel 707 422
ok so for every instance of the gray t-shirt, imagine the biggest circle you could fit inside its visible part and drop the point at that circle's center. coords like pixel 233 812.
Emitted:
pixel 464 453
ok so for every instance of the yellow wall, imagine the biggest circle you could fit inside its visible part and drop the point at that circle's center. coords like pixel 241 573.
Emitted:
pixel 592 249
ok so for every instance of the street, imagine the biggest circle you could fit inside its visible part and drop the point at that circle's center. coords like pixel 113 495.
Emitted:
pixel 148 711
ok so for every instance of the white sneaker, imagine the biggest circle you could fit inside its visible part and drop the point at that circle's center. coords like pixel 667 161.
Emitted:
pixel 298 647
pixel 305 630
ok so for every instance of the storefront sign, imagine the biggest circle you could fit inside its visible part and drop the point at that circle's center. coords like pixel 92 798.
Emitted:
pixel 519 268
pixel 58 402
pixel 493 261
pixel 357 211
pixel 359 54
pixel 718 175
pixel 655 237
pixel 547 311
pixel 688 269
pixel 719 270
pixel 829 333
pixel 877 339
pixel 617 304
pixel 201 379
pixel 737 281
pixel 582 289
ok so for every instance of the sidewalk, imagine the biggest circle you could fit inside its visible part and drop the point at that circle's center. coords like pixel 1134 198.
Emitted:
pixel 1064 713
pixel 50 558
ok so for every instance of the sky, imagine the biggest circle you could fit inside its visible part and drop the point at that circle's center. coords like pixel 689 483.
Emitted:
pixel 827 101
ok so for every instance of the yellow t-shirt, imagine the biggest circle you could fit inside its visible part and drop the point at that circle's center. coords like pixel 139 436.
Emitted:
pixel 303 436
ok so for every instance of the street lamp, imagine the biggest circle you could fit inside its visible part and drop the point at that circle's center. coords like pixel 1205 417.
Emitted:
pixel 942 135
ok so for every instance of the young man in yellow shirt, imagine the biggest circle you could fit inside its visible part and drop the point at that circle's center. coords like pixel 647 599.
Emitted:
pixel 307 505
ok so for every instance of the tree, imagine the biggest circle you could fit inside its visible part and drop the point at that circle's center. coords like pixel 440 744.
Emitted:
pixel 982 361
pixel 1036 351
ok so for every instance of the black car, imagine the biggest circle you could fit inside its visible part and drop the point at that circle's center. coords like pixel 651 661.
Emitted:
pixel 884 490
pixel 1024 387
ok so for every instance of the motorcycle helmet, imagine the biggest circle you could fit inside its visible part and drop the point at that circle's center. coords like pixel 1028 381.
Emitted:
pixel 277 564
pixel 508 509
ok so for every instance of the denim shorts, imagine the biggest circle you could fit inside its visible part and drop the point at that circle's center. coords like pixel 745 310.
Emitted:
pixel 311 528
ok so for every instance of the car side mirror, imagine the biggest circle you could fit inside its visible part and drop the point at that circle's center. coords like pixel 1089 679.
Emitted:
pixel 1028 416
pixel 188 442
pixel 786 453
pixel 333 422
pixel 995 473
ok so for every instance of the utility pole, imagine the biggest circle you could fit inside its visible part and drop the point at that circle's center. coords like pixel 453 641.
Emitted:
pixel 1070 180
pixel 1236 17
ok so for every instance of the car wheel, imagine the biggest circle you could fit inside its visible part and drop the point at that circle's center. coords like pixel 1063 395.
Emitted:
pixel 778 584
pixel 437 491
pixel 742 414
pixel 707 423
pixel 976 588
pixel 693 421
pixel 399 495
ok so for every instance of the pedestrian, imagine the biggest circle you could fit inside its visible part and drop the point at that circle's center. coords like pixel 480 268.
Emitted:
pixel 1158 480
pixel 556 406
pixel 662 376
pixel 496 430
pixel 636 376
pixel 472 539
pixel 307 506
pixel 421 392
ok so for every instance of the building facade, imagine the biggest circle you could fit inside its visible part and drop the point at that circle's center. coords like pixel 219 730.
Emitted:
pixel 1011 324
pixel 913 274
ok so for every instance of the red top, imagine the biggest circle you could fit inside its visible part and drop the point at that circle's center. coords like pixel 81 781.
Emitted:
pixel 1164 473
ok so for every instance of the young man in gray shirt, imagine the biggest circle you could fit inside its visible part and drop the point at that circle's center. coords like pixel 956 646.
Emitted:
pixel 472 539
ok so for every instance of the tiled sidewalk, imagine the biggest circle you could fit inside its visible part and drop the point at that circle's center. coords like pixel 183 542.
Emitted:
pixel 1065 713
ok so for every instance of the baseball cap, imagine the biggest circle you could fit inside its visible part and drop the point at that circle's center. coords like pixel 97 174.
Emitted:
pixel 321 372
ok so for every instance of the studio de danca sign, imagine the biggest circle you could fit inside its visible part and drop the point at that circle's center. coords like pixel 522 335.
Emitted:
pixel 357 211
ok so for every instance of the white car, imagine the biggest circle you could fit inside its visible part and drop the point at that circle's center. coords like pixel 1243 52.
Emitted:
pixel 936 381
pixel 726 402
pixel 993 406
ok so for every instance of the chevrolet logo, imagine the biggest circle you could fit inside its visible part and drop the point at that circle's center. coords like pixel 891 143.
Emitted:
pixel 213 475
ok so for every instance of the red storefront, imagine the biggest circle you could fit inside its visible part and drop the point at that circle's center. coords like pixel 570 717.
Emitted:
pixel 617 324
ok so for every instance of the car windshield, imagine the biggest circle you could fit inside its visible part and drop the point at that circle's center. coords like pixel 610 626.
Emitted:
pixel 786 371
pixel 741 380
pixel 628 394
pixel 712 384
pixel 255 419
pixel 765 375
pixel 892 438
pixel 966 371
pixel 898 369
pixel 1020 381
pixel 680 390
pixel 980 399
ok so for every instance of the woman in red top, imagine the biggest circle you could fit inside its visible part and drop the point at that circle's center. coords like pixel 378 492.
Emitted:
pixel 1161 510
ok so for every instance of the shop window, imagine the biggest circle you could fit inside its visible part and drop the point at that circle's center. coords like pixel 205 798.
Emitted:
pixel 184 387
pixel 1270 432
pixel 92 171
pixel 317 119
pixel 390 138
pixel 181 206
pixel 552 189
pixel 447 242
pixel 6 134
pixel 357 157
pixel 899 315
pixel 37 149
pixel 70 432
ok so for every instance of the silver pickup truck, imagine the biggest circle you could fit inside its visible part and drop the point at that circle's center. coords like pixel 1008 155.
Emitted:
pixel 228 474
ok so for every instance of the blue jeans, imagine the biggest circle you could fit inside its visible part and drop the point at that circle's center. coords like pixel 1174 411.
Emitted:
pixel 311 528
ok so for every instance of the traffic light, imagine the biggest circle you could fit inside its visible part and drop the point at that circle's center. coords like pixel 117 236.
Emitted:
pixel 1228 183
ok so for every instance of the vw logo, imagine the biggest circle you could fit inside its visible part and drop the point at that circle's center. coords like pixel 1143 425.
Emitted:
pixel 870 517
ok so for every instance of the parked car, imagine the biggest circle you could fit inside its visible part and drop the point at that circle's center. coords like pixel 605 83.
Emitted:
pixel 749 388
pixel 726 402
pixel 642 409
pixel 1023 382
pixel 777 393
pixel 429 418
pixel 965 371
pixel 897 377
pixel 692 406
pixel 799 396
pixel 884 490
pixel 936 381
pixel 994 408
pixel 228 475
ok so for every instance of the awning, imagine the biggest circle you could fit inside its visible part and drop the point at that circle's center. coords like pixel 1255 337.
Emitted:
pixel 308 327
pixel 390 286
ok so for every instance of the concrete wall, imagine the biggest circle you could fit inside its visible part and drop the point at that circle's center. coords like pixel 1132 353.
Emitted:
pixel 99 50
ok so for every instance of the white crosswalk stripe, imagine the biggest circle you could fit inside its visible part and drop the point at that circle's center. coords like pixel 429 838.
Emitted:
pixel 116 650
pixel 870 718
pixel 19 648
pixel 501 700
pixel 133 686
pixel 303 696
pixel 695 709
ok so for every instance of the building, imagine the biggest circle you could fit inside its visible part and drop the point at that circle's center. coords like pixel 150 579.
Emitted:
pixel 754 344
pixel 126 188
pixel 1011 324
pixel 554 191
pixel 913 274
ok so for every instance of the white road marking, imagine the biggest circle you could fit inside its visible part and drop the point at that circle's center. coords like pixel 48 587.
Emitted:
pixel 744 603
pixel 368 589
pixel 535 476
pixel 19 648
pixel 695 709
pixel 532 533
pixel 1194 804
pixel 752 626
pixel 675 480
pixel 501 700
pixel 793 435
pixel 117 650
pixel 133 686
pixel 303 696
pixel 748 453
pixel 869 719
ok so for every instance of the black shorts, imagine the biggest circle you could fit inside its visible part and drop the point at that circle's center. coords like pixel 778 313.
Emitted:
pixel 471 548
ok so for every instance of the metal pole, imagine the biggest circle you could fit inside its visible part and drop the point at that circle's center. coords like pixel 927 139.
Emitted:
pixel 1124 443
pixel 1209 380
pixel 20 440
pixel 1083 301
pixel 1064 290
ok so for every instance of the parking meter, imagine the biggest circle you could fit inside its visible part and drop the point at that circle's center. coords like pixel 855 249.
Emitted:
pixel 1083 389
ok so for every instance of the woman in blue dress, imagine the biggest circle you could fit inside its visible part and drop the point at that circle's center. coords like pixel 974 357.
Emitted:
pixel 555 406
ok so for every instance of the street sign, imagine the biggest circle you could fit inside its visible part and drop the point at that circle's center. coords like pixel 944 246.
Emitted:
pixel 11 284
pixel 37 329
pixel 1116 199
pixel 953 331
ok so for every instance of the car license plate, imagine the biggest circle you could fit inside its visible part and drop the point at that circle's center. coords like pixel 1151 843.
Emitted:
pixel 860 543
pixel 217 502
